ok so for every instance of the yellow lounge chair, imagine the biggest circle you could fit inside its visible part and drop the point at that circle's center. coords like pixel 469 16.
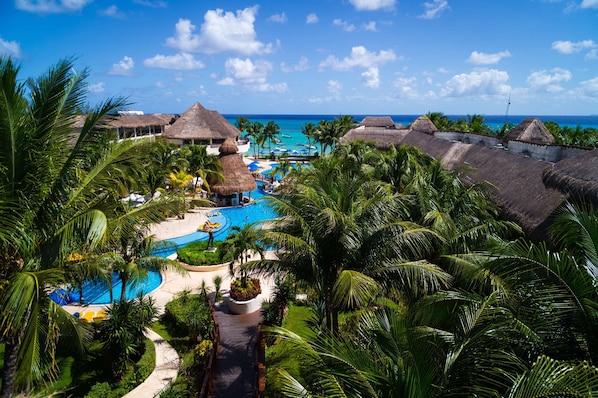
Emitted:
pixel 87 316
pixel 100 316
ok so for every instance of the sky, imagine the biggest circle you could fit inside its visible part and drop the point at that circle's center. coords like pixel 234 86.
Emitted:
pixel 377 57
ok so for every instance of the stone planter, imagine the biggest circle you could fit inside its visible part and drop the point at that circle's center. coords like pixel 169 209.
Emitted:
pixel 243 307
pixel 204 268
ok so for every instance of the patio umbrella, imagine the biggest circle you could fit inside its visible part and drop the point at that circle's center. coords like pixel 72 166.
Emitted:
pixel 253 166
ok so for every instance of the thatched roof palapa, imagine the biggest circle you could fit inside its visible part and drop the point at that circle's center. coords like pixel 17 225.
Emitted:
pixel 237 177
pixel 530 130
pixel 423 125
pixel 576 176
pixel 201 124
pixel 378 121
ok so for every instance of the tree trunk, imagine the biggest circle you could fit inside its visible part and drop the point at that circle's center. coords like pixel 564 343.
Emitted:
pixel 11 351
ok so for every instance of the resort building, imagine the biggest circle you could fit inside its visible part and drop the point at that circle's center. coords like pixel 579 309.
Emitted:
pixel 200 126
pixel 528 176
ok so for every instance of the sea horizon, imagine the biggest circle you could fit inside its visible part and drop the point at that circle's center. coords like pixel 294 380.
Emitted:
pixel 293 142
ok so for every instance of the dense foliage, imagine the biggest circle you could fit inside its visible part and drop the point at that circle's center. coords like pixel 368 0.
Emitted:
pixel 445 298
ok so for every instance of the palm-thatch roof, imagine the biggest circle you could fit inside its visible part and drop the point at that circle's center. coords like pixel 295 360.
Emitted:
pixel 424 125
pixel 237 177
pixel 198 123
pixel 576 176
pixel 132 121
pixel 516 181
pixel 378 121
pixel 530 130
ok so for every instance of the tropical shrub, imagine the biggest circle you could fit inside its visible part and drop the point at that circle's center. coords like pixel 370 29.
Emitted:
pixel 245 290
pixel 188 315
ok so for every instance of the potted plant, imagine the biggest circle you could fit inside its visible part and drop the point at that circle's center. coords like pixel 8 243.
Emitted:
pixel 244 294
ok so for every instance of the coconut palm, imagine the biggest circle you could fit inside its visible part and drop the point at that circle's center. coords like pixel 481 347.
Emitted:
pixel 271 130
pixel 255 132
pixel 309 130
pixel 342 233
pixel 53 184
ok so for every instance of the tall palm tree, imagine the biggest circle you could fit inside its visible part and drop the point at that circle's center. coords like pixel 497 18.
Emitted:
pixel 271 130
pixel 52 187
pixel 309 130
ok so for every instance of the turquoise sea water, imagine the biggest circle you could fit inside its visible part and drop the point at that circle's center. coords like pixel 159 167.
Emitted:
pixel 293 140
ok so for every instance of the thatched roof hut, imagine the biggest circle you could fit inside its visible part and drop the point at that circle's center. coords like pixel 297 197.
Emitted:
pixel 202 125
pixel 237 178
pixel 530 130
pixel 385 122
pixel 424 125
pixel 576 176
pixel 517 182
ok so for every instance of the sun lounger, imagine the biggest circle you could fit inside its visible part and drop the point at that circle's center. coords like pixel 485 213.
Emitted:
pixel 87 316
pixel 100 316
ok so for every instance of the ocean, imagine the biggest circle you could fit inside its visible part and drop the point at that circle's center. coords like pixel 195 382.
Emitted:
pixel 292 141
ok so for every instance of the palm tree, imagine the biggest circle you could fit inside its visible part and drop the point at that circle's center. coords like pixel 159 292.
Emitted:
pixel 255 132
pixel 202 166
pixel 309 130
pixel 242 123
pixel 51 194
pixel 342 233
pixel 241 244
pixel 271 130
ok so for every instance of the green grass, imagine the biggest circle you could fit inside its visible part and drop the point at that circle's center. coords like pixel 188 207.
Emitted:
pixel 295 320
pixel 196 253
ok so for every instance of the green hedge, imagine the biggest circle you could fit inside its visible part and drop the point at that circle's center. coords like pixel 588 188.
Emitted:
pixel 195 253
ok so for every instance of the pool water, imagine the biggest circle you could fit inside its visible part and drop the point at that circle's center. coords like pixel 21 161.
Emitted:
pixel 227 217
pixel 97 293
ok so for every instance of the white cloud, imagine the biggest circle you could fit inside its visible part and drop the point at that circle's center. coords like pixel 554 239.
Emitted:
pixel 371 78
pixel 549 81
pixel 589 4
pixel 371 5
pixel 477 83
pixel 311 18
pixel 590 87
pixel 97 88
pixel 406 87
pixel 112 12
pixel 487 59
pixel 346 26
pixel 334 86
pixel 124 67
pixel 11 48
pixel 252 75
pixel 434 9
pixel 220 32
pixel 592 54
pixel 569 47
pixel 360 57
pixel 370 26
pixel 51 6
pixel 160 84
pixel 300 67
pixel 278 18
pixel 181 61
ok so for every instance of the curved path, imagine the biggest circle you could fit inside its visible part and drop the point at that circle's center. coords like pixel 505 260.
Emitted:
pixel 167 366
pixel 235 372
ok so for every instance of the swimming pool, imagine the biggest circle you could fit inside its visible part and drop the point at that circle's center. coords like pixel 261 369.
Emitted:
pixel 97 293
pixel 227 217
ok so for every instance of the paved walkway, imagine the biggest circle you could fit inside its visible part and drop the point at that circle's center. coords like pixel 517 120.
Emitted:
pixel 167 366
pixel 235 373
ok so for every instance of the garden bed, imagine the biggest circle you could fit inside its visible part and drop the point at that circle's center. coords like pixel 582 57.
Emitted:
pixel 196 257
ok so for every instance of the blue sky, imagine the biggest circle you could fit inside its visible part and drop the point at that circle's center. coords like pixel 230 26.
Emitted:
pixel 319 57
